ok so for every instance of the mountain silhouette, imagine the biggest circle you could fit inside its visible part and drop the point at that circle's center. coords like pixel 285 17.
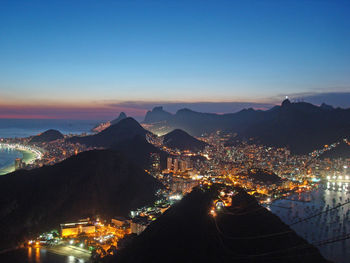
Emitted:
pixel 125 129
pixel 47 136
pixel 179 139
pixel 300 126
pixel 244 232
pixel 139 151
pixel 157 114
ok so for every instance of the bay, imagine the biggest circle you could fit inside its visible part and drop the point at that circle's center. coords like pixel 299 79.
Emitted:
pixel 327 225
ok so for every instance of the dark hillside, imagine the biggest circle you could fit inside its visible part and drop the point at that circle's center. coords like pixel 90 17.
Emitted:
pixel 47 136
pixel 245 232
pixel 91 183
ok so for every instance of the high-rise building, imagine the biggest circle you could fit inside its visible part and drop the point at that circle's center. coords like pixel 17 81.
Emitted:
pixel 169 164
pixel 155 163
pixel 188 163
pixel 176 165
pixel 18 163
pixel 183 165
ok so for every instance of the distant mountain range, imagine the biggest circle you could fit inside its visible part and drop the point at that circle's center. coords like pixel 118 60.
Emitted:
pixel 47 136
pixel 244 232
pixel 157 115
pixel 99 182
pixel 300 126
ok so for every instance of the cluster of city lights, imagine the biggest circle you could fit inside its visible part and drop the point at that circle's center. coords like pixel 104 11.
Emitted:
pixel 103 239
pixel 340 177
pixel 341 186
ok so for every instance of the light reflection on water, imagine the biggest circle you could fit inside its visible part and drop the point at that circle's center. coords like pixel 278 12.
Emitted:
pixel 37 255
pixel 34 254
pixel 7 158
pixel 30 254
pixel 325 226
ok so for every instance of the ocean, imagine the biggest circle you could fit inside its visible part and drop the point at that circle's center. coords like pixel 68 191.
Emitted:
pixel 37 255
pixel 19 128
pixel 11 128
pixel 8 156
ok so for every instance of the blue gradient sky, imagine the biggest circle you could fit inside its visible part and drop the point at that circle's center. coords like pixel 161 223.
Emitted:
pixel 98 53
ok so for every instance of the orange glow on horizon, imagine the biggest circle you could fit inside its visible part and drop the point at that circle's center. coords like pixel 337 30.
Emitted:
pixel 93 110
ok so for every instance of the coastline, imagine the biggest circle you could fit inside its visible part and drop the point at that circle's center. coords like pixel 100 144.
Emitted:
pixel 27 157
pixel 78 253
pixel 57 254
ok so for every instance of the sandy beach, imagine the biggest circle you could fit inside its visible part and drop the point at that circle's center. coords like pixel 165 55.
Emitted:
pixel 70 251
pixel 28 157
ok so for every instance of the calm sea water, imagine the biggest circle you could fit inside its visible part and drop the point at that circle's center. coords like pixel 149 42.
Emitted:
pixel 327 226
pixel 36 255
pixel 11 128
pixel 8 156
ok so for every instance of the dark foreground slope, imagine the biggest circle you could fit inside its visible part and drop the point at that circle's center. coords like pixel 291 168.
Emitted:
pixel 47 136
pixel 179 139
pixel 139 151
pixel 125 129
pixel 91 183
pixel 245 232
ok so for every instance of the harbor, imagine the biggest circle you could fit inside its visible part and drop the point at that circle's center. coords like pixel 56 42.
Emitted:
pixel 321 217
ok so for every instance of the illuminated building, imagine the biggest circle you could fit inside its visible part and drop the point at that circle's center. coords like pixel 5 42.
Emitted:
pixel 183 185
pixel 169 164
pixel 176 165
pixel 184 165
pixel 138 225
pixel 18 163
pixel 120 221
pixel 74 229
pixel 69 231
pixel 155 163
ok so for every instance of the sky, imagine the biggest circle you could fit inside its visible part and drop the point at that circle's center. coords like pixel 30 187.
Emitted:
pixel 92 58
